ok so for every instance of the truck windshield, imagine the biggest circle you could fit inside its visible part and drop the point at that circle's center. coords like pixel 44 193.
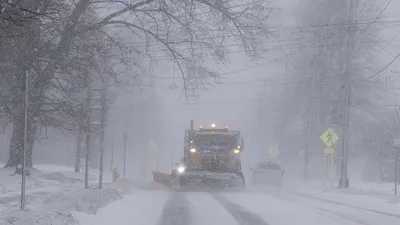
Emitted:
pixel 212 142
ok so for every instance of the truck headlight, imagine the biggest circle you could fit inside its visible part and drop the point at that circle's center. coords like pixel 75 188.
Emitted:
pixel 236 151
pixel 181 169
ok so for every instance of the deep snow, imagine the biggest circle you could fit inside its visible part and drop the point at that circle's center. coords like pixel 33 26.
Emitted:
pixel 51 193
pixel 151 207
pixel 55 196
pixel 141 207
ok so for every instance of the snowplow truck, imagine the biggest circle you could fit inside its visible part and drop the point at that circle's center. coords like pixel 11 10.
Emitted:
pixel 211 159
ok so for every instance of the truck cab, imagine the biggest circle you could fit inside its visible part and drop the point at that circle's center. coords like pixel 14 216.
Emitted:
pixel 211 156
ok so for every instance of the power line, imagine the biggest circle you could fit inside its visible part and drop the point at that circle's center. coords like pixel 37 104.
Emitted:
pixel 222 84
pixel 380 14
pixel 262 64
pixel 278 48
pixel 280 58
pixel 385 67
pixel 320 25
pixel 384 47
pixel 244 69
pixel 284 29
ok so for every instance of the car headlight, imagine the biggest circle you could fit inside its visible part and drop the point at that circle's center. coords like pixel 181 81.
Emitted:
pixel 236 151
pixel 181 169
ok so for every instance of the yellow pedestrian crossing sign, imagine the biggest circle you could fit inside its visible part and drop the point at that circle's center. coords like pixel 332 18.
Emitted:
pixel 152 146
pixel 329 137
pixel 273 152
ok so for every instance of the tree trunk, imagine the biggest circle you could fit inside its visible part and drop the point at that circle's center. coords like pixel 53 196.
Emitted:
pixel 79 151
pixel 16 145
pixel 32 129
pixel 381 162
pixel 16 149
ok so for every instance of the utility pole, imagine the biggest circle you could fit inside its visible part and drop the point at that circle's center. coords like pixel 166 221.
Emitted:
pixel 79 138
pixel 112 157
pixel 307 154
pixel 88 131
pixel 103 125
pixel 23 173
pixel 125 140
pixel 286 82
pixel 262 110
pixel 78 152
pixel 310 120
pixel 396 168
pixel 344 181
pixel 396 144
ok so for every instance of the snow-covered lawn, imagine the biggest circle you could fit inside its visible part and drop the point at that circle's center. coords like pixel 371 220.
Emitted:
pixel 378 190
pixel 55 196
pixel 291 209
pixel 44 179
pixel 51 192
pixel 373 196
pixel 143 207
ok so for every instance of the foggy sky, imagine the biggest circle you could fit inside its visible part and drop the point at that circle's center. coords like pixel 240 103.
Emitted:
pixel 231 103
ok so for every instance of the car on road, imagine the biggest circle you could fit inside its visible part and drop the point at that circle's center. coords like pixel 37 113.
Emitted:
pixel 268 172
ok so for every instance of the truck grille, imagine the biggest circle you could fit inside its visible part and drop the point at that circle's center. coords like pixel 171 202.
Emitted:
pixel 212 165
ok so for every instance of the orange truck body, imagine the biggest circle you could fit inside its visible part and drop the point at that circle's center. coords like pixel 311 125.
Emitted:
pixel 162 178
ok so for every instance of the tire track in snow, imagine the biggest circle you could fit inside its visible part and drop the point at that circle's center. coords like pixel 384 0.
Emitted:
pixel 306 196
pixel 242 216
pixel 328 211
pixel 176 210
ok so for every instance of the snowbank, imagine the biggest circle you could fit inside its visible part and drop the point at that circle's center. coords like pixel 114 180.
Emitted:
pixel 144 207
pixel 51 193
pixel 88 201
pixel 29 218
pixel 56 209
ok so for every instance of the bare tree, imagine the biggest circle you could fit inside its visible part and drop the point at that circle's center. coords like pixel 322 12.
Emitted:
pixel 377 141
pixel 57 106
pixel 20 38
pixel 320 66
pixel 20 13
pixel 184 32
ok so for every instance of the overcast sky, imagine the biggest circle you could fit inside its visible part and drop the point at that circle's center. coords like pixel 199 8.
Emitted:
pixel 232 103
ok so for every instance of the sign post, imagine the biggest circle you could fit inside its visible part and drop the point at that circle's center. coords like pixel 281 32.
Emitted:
pixel 396 172
pixel 329 137
pixel 329 154
pixel 125 138
pixel 396 167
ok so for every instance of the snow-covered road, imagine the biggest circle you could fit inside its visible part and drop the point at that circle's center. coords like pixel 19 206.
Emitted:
pixel 163 207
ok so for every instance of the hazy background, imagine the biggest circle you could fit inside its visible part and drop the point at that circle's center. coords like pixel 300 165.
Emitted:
pixel 160 114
